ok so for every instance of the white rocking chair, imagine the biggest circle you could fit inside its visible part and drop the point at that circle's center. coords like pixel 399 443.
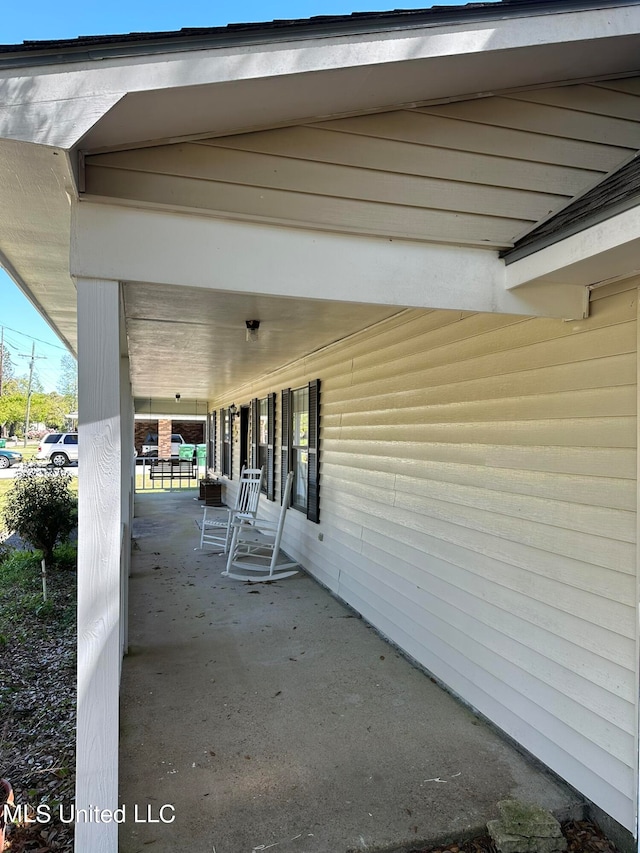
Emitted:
pixel 216 523
pixel 254 558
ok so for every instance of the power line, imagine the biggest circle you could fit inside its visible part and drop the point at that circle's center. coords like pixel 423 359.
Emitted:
pixel 39 340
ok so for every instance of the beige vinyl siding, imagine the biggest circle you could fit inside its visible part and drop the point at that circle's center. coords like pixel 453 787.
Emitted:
pixel 478 506
pixel 477 173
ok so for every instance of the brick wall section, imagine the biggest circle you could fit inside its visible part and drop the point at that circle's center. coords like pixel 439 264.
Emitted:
pixel 142 429
pixel 191 431
pixel 164 438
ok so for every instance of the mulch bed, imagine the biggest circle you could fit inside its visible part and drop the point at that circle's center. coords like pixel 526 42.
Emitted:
pixel 37 723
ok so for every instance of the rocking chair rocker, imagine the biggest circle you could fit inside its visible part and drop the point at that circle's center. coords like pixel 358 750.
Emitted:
pixel 255 558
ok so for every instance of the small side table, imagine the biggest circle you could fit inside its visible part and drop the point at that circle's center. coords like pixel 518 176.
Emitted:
pixel 211 492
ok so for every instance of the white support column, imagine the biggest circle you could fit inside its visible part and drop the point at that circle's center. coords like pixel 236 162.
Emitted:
pixel 637 739
pixel 99 565
pixel 127 475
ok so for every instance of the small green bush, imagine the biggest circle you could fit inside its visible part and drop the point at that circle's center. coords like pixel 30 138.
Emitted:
pixel 20 567
pixel 41 509
pixel 65 556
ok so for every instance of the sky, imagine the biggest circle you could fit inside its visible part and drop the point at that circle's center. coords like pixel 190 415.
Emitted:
pixel 43 20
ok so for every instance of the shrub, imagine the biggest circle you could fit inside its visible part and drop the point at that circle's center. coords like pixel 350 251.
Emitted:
pixel 65 556
pixel 41 509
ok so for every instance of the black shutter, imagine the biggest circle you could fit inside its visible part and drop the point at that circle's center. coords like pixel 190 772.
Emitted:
pixel 313 471
pixel 271 440
pixel 226 445
pixel 285 442
pixel 223 461
pixel 255 431
pixel 231 420
pixel 212 441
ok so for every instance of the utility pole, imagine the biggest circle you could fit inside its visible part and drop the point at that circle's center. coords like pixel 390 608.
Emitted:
pixel 1 357
pixel 31 364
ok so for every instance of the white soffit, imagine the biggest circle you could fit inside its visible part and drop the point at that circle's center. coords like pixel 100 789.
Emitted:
pixel 35 190
pixel 471 173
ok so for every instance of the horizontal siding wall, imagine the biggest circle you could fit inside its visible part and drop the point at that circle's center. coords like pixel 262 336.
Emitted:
pixel 478 506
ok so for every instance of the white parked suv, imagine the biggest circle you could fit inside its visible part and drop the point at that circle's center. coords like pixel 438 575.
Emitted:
pixel 60 448
pixel 150 447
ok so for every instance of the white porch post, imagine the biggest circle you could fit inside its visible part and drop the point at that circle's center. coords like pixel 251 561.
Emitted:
pixel 637 744
pixel 99 565
pixel 127 487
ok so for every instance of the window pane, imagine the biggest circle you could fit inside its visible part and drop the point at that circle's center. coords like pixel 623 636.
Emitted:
pixel 263 425
pixel 300 468
pixel 299 444
pixel 301 418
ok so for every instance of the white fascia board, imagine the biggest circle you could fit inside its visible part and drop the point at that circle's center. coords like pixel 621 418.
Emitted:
pixel 606 251
pixel 59 122
pixel 158 70
pixel 31 98
pixel 129 244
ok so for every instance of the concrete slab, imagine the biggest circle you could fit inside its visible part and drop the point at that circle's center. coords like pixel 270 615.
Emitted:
pixel 270 716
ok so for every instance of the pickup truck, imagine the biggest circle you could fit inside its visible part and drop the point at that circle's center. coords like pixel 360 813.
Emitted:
pixel 150 447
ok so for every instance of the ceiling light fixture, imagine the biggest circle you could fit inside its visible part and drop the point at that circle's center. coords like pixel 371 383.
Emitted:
pixel 252 329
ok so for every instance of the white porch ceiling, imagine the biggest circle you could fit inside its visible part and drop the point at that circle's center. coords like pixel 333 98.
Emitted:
pixel 192 342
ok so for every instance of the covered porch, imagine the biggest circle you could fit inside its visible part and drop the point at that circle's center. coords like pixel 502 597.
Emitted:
pixel 435 217
pixel 300 727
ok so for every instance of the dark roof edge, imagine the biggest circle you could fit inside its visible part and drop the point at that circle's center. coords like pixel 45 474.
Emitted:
pixel 517 253
pixel 108 46
pixel 618 192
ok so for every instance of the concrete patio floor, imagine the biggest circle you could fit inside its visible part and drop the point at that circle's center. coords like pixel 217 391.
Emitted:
pixel 272 717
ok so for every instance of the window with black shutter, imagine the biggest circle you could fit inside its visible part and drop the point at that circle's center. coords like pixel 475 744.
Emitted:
pixel 285 438
pixel 313 470
pixel 300 447
pixel 271 448
pixel 225 428
pixel 263 433
pixel 255 433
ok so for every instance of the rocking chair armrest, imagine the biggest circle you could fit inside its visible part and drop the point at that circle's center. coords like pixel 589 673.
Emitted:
pixel 254 524
pixel 220 519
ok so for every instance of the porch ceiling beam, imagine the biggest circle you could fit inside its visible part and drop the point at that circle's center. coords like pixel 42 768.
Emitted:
pixel 606 251
pixel 129 244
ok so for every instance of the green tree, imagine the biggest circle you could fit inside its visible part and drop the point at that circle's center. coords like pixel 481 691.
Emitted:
pixel 16 385
pixel 51 409
pixel 7 367
pixel 13 406
pixel 68 379
pixel 41 508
